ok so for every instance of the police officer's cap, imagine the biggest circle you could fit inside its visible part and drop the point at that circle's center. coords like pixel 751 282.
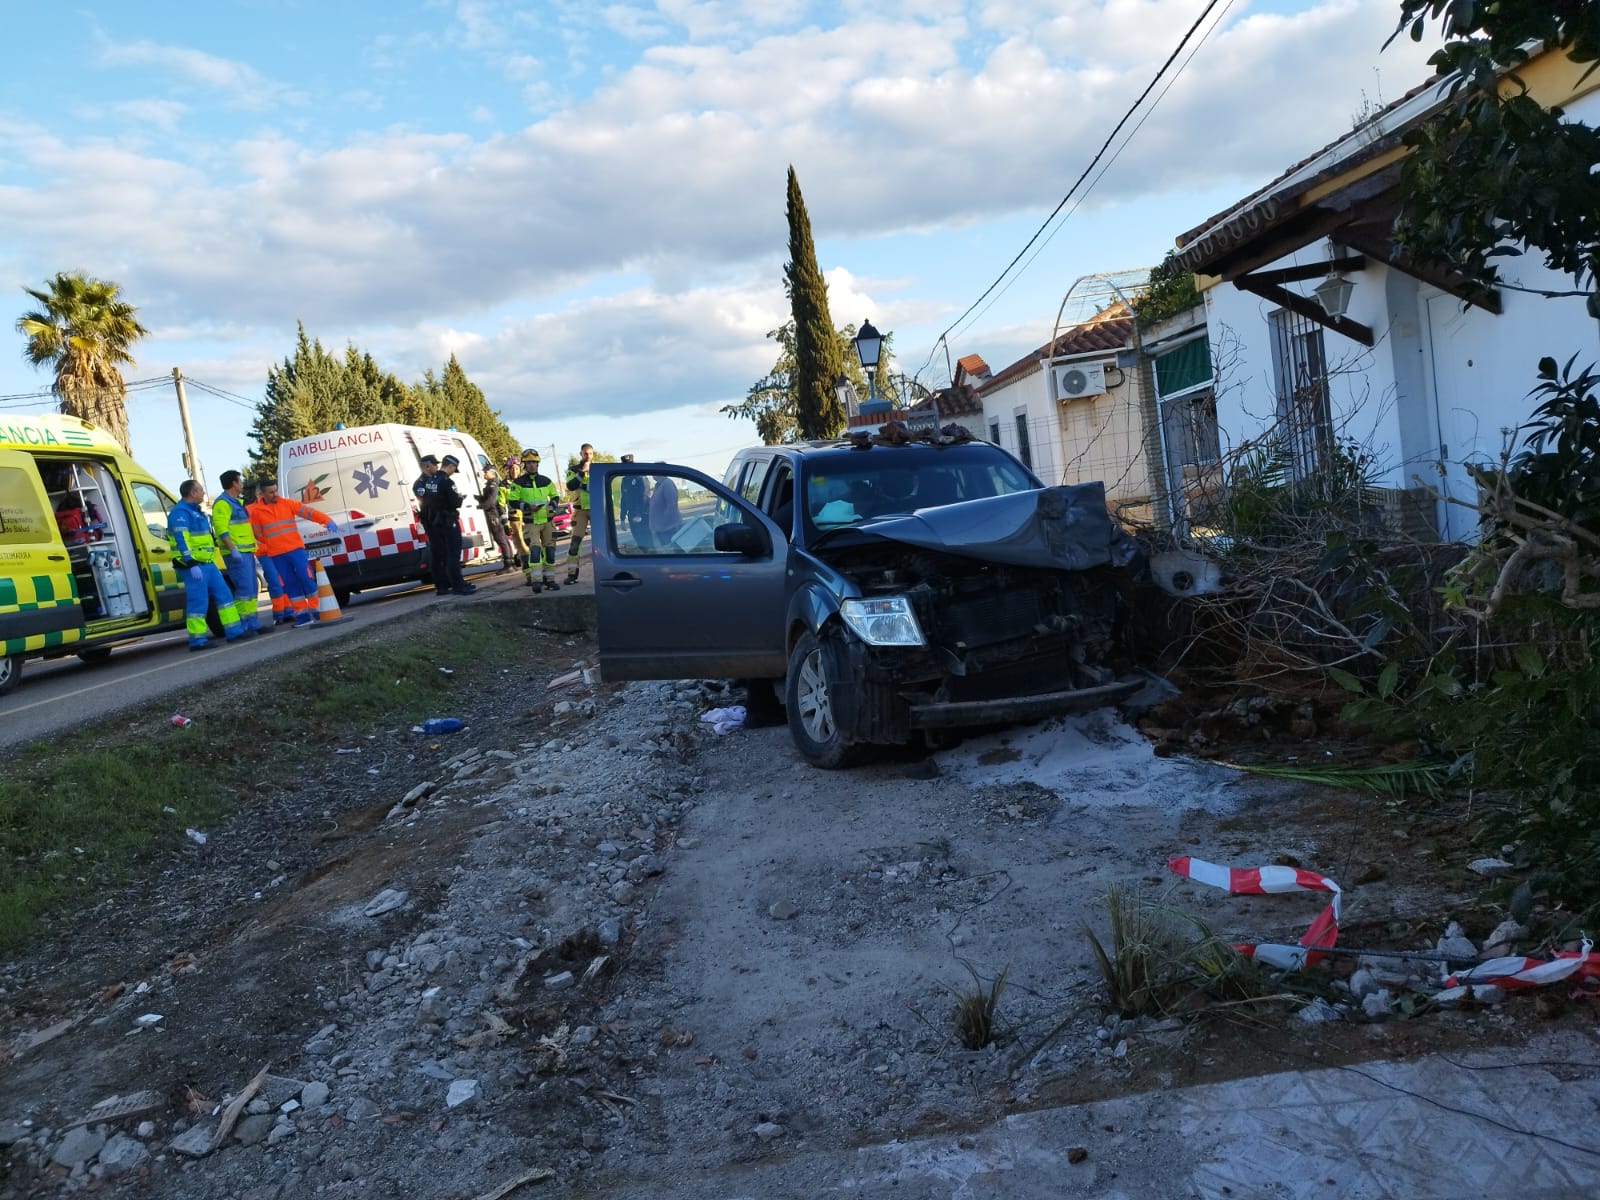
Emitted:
pixel 429 458
pixel 450 460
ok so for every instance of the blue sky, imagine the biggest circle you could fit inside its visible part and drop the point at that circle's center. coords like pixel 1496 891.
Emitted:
pixel 585 202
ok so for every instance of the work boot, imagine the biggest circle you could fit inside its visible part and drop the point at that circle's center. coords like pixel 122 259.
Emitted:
pixel 193 646
pixel 536 586
pixel 572 576
pixel 552 584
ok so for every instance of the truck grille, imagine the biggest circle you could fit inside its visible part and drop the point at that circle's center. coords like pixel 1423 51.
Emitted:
pixel 985 620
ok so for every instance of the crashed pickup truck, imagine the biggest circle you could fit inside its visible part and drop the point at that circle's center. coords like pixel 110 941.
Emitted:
pixel 883 591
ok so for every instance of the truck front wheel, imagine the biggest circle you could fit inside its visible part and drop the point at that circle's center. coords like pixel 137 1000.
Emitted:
pixel 814 679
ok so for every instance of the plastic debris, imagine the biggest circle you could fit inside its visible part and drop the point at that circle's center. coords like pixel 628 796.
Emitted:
pixel 1489 868
pixel 439 725
pixel 195 836
pixel 1263 881
pixel 1492 979
pixel 179 720
pixel 725 720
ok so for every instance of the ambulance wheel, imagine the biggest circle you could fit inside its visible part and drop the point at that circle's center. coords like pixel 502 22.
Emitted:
pixel 10 672
pixel 95 655
pixel 342 595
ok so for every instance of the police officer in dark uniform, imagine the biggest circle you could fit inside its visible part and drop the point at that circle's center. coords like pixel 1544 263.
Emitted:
pixel 442 507
pixel 430 464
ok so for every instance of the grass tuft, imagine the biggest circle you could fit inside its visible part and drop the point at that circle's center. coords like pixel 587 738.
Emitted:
pixel 974 1016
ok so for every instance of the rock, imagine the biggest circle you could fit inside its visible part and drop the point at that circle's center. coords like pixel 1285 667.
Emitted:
pixel 314 1094
pixel 122 1154
pixel 622 892
pixel 284 1128
pixel 1077 1154
pixel 1508 931
pixel 1378 1005
pixel 361 1109
pixel 321 1044
pixel 194 1141
pixel 146 1129
pixel 558 982
pixel 1456 946
pixel 1490 868
pixel 253 1130
pixel 609 931
pixel 608 850
pixel 1319 1011
pixel 11 1133
pixel 78 1147
pixel 768 1130
pixel 783 910
pixel 463 1091
pixel 645 865
pixel 416 793
pixel 583 1035
pixel 1363 984
pixel 385 901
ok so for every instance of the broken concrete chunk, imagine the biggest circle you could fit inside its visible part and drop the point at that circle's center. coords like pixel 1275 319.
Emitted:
pixel 117 1108
pixel 1490 868
pixel 768 1130
pixel 78 1147
pixel 194 1141
pixel 122 1154
pixel 463 1091
pixel 385 901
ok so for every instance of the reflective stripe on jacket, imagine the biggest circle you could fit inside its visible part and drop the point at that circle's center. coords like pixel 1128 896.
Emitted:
pixel 534 494
pixel 230 516
pixel 189 531
pixel 274 524
pixel 578 482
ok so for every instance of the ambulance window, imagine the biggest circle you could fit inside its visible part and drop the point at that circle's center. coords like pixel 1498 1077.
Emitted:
pixel 154 504
pixel 22 520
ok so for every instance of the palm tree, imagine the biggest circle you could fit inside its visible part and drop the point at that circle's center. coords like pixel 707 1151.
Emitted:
pixel 84 330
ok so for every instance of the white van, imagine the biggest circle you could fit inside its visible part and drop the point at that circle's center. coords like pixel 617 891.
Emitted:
pixel 361 476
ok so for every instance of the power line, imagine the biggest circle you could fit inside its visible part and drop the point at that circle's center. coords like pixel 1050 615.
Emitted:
pixel 1093 183
pixel 1087 171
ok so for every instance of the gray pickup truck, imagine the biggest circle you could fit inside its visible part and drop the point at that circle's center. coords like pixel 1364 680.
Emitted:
pixel 887 591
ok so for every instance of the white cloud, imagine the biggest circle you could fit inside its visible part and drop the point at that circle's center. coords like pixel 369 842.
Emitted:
pixel 672 173
pixel 244 86
pixel 162 114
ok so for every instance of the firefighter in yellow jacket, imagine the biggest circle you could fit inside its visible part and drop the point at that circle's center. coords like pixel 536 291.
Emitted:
pixel 535 494
pixel 578 486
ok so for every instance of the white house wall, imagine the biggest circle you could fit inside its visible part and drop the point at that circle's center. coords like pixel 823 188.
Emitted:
pixel 1440 383
pixel 1028 394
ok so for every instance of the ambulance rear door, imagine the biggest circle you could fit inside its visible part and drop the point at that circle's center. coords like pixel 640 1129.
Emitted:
pixel 39 606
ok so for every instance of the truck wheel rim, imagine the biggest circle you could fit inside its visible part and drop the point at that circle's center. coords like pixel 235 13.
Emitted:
pixel 816 713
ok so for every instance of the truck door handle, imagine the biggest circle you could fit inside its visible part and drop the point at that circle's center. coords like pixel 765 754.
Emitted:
pixel 622 582
pixel 56 557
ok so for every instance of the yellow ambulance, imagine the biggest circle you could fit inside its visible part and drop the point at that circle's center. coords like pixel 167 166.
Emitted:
pixel 84 559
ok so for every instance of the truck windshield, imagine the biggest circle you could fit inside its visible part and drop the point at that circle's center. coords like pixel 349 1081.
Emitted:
pixel 852 488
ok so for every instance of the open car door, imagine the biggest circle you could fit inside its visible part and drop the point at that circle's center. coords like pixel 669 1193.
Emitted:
pixel 689 578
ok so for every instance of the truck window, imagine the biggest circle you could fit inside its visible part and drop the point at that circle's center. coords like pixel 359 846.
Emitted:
pixel 750 489
pixel 23 520
pixel 154 505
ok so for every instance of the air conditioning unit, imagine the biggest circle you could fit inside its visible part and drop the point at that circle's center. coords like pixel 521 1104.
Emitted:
pixel 1076 380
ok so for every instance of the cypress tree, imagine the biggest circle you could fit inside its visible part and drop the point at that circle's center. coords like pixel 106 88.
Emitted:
pixel 816 346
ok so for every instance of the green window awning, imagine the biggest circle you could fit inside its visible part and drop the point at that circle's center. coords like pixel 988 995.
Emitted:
pixel 1187 366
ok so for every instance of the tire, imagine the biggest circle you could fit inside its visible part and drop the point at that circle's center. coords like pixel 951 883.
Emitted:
pixel 95 655
pixel 10 672
pixel 812 681
pixel 342 597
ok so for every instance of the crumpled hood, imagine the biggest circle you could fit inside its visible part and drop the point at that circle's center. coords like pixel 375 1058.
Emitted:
pixel 1067 528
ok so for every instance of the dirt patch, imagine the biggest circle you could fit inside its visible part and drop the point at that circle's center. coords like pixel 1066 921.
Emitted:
pixel 611 943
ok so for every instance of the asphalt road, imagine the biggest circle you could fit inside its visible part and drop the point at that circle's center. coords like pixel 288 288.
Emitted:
pixel 56 695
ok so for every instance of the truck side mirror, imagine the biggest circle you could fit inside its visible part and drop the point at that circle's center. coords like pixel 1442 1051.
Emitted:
pixel 738 538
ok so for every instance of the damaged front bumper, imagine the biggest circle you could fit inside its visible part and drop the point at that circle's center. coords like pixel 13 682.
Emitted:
pixel 955 713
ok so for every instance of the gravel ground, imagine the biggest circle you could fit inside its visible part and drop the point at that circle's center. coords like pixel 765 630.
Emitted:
pixel 589 944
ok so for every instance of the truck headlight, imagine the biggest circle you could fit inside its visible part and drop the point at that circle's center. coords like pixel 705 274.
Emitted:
pixel 883 621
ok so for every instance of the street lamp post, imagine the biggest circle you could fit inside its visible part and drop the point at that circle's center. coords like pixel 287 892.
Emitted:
pixel 848 400
pixel 869 343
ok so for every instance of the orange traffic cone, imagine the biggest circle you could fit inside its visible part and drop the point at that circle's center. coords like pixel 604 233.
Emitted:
pixel 327 605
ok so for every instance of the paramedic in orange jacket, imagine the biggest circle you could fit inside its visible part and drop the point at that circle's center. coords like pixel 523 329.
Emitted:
pixel 278 537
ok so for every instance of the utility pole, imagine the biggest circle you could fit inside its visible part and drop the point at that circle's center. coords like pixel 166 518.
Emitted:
pixel 191 456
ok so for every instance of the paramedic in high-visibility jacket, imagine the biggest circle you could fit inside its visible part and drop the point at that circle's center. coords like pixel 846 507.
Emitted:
pixel 278 537
pixel 194 553
pixel 230 521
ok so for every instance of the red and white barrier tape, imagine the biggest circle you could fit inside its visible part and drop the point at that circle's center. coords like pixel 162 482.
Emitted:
pixel 1495 975
pixel 1262 881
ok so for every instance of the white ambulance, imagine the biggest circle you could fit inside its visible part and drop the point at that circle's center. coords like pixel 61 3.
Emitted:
pixel 361 476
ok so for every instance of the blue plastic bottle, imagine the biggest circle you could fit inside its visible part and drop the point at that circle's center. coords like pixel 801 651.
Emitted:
pixel 441 725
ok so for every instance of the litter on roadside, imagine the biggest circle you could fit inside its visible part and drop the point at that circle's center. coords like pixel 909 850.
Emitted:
pixel 1264 881
pixel 725 720
pixel 195 836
